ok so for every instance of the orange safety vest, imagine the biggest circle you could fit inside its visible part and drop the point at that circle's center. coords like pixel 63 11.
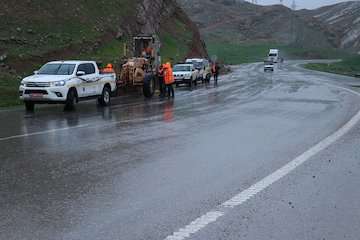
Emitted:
pixel 148 50
pixel 108 69
pixel 169 76
pixel 213 69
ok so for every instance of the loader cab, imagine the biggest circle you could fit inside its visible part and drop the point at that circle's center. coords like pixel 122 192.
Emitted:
pixel 148 47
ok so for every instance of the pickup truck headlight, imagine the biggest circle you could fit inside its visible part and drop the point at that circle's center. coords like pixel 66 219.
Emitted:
pixel 22 84
pixel 58 83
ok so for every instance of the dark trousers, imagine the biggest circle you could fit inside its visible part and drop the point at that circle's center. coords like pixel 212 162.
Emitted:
pixel 170 90
pixel 216 76
pixel 161 86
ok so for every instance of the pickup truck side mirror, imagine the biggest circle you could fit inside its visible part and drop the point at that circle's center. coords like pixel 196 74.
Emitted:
pixel 36 72
pixel 80 73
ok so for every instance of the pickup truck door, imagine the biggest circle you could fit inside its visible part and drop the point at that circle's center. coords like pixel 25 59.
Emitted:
pixel 194 73
pixel 89 82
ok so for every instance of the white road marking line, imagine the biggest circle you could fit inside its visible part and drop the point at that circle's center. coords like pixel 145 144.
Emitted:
pixel 196 225
pixel 258 187
pixel 42 132
pixel 76 127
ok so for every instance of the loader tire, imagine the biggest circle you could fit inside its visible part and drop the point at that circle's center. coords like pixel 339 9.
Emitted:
pixel 149 85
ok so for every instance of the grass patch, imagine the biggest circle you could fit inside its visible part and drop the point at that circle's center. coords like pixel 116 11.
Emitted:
pixel 172 49
pixel 349 67
pixel 9 86
pixel 39 27
pixel 238 53
pixel 111 52
pixel 175 42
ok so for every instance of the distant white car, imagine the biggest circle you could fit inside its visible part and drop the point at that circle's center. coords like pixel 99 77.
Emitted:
pixel 269 66
pixel 185 74
pixel 67 82
pixel 203 66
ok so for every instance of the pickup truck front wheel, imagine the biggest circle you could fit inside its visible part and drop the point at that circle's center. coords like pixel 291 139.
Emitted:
pixel 71 99
pixel 105 98
pixel 208 78
pixel 29 106
pixel 191 84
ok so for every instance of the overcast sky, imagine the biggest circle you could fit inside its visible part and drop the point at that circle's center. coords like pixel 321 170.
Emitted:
pixel 310 4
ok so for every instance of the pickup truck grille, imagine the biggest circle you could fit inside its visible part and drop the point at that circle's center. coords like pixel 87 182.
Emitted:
pixel 36 92
pixel 38 84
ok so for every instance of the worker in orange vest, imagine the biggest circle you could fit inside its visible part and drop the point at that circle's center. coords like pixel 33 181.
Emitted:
pixel 169 79
pixel 108 69
pixel 215 69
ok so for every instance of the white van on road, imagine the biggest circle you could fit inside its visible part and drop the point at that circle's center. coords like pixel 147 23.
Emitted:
pixel 67 82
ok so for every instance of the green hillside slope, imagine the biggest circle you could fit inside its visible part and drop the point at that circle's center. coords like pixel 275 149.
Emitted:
pixel 34 32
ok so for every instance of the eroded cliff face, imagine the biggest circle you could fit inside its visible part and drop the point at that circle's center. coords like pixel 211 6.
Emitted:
pixel 150 14
pixel 166 16
pixel 342 19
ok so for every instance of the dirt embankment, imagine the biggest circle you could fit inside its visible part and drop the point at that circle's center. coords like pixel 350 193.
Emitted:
pixel 34 32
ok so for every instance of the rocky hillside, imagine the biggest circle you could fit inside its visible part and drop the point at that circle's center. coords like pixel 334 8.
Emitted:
pixel 35 31
pixel 334 26
pixel 342 19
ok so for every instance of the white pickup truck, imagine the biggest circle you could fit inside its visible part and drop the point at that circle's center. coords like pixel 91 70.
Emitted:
pixel 203 66
pixel 67 82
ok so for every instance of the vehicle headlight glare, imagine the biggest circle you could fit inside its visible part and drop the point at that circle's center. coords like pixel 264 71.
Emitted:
pixel 59 83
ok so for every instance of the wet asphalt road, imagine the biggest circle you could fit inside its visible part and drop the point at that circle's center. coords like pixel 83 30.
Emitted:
pixel 144 169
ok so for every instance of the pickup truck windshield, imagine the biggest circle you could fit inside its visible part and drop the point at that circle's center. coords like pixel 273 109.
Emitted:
pixel 57 69
pixel 198 65
pixel 179 68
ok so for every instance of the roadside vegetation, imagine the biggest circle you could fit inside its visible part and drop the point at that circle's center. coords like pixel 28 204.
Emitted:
pixel 9 85
pixel 349 66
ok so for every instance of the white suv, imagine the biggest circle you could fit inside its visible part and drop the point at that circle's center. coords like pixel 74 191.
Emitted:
pixel 67 82
pixel 185 73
